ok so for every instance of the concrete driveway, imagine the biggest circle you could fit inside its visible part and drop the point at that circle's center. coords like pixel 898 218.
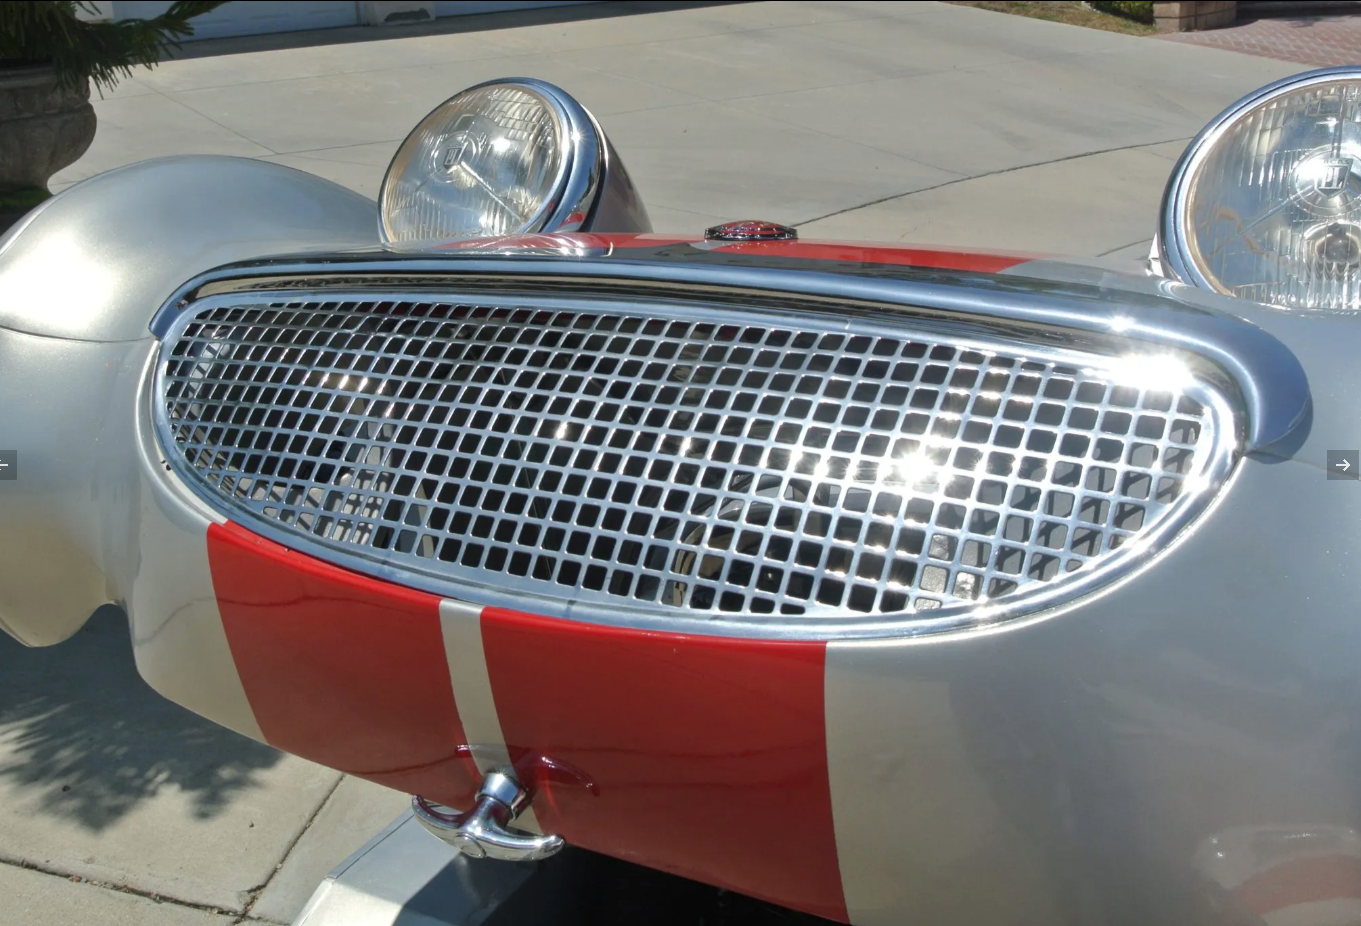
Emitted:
pixel 912 122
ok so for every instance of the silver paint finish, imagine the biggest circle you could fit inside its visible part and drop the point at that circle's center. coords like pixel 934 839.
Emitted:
pixel 461 630
pixel 1081 760
pixel 1090 763
pixel 100 256
pixel 1065 770
pixel 1240 860
pixel 80 278
pixel 994 478
pixel 65 407
pixel 178 638
pixel 93 519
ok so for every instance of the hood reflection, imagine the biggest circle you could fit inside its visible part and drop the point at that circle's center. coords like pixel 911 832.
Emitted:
pixel 1283 875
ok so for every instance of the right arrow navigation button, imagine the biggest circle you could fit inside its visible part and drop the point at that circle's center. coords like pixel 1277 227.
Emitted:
pixel 1344 464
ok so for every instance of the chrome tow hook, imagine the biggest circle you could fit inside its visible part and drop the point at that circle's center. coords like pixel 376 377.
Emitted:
pixel 482 832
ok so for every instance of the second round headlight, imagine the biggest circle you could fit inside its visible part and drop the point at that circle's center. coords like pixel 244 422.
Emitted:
pixel 1266 202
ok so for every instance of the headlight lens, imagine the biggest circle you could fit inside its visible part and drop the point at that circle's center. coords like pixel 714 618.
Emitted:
pixel 505 158
pixel 1266 202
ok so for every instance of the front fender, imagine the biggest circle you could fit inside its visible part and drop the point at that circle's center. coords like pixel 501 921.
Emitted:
pixel 80 279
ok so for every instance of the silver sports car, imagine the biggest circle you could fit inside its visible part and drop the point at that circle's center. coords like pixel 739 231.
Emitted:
pixel 888 585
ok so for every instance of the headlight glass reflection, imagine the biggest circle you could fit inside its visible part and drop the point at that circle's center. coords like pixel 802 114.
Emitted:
pixel 1272 210
pixel 487 162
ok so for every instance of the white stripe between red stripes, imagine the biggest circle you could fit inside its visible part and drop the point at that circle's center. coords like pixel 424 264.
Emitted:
pixel 461 625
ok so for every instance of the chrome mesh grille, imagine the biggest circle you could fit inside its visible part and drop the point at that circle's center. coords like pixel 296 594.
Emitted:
pixel 669 458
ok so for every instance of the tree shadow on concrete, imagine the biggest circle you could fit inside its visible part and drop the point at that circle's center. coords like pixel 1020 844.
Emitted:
pixel 79 726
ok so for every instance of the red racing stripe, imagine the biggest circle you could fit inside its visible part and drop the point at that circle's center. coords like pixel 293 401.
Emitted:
pixel 845 252
pixel 926 258
pixel 341 669
pixel 564 242
pixel 1301 881
pixel 709 753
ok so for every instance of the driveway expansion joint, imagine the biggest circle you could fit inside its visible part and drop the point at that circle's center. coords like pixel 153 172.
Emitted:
pixel 1123 246
pixel 989 173
pixel 153 896
pixel 256 892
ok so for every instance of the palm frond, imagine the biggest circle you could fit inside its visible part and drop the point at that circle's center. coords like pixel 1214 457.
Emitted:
pixel 47 31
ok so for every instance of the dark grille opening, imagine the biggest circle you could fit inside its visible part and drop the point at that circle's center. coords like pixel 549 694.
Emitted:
pixel 676 461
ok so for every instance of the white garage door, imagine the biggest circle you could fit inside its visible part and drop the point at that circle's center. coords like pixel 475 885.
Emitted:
pixel 465 7
pixel 252 17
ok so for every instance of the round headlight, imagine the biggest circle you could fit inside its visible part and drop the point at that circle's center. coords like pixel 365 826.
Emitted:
pixel 1265 203
pixel 508 157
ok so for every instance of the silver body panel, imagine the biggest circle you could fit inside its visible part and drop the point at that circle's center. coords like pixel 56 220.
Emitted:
pixel 64 516
pixel 1083 760
pixel 1079 766
pixel 80 278
pixel 87 263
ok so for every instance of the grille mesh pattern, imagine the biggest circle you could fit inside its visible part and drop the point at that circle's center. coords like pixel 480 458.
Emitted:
pixel 673 460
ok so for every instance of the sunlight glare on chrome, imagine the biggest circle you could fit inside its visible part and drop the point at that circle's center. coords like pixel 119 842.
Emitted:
pixel 1162 372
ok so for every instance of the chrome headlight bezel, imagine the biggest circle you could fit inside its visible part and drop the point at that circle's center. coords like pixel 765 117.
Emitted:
pixel 576 186
pixel 1173 247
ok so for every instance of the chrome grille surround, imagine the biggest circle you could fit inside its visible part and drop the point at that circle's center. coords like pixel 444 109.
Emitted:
pixel 684 465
